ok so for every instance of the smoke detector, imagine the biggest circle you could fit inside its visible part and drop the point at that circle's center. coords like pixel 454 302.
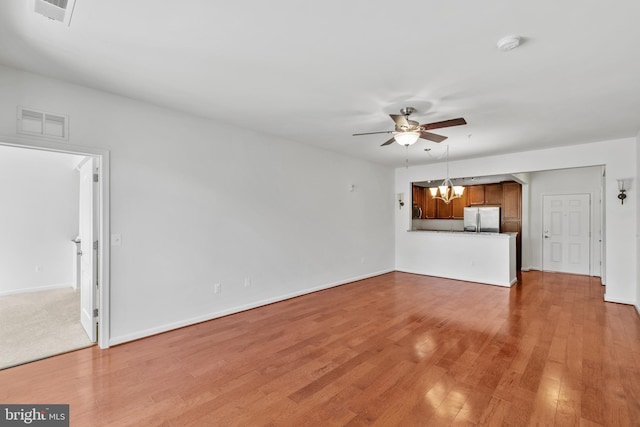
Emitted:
pixel 57 10
pixel 508 42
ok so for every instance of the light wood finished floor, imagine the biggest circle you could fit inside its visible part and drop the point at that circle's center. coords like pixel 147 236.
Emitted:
pixel 394 350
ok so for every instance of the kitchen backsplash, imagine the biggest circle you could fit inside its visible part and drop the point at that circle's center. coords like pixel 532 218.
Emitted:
pixel 437 224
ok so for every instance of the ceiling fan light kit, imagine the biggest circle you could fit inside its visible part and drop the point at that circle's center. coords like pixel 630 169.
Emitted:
pixel 406 138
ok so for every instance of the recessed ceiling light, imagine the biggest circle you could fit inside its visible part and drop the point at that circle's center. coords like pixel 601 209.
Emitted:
pixel 508 42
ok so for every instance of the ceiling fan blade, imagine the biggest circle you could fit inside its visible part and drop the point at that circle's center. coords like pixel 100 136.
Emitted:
pixel 444 124
pixel 372 133
pixel 391 141
pixel 432 137
pixel 399 119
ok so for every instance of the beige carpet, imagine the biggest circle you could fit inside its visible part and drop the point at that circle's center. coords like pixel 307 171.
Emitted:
pixel 41 324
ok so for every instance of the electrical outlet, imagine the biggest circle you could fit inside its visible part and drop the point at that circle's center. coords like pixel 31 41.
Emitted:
pixel 247 282
pixel 217 288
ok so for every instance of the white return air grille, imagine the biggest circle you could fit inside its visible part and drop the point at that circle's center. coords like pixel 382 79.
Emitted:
pixel 40 123
pixel 58 10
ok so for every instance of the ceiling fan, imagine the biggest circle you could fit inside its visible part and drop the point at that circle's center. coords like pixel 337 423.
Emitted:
pixel 408 131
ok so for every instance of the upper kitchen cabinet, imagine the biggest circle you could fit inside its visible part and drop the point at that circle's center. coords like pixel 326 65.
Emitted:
pixel 511 201
pixel 424 206
pixel 487 195
pixel 452 210
pixel 493 194
pixel 430 205
pixel 475 194
pixel 417 201
pixel 458 205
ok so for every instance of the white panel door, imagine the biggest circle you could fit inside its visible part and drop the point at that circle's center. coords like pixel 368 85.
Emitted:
pixel 566 240
pixel 89 257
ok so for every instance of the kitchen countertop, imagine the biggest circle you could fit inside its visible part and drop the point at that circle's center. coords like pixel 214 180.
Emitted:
pixel 466 233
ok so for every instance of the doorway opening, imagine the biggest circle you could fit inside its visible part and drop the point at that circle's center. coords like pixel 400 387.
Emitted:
pixel 93 221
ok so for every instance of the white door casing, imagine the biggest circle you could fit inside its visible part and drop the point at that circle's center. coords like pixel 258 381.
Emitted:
pixel 566 226
pixel 89 257
pixel 102 217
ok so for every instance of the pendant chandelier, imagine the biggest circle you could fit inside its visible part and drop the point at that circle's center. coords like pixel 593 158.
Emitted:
pixel 447 191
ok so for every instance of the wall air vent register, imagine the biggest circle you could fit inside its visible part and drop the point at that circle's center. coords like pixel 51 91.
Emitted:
pixel 40 123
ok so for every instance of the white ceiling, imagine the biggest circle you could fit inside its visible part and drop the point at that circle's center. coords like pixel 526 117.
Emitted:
pixel 318 71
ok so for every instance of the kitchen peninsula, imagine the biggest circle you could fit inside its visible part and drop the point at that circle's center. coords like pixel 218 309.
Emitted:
pixel 476 257
pixel 437 245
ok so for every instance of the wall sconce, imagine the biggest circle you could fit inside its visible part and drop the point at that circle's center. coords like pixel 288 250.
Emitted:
pixel 400 200
pixel 622 188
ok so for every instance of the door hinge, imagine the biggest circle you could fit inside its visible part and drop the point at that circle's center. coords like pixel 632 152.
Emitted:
pixel 95 245
pixel 95 312
pixel 96 177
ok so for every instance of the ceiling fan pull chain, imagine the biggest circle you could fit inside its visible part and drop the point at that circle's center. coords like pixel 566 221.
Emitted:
pixel 406 157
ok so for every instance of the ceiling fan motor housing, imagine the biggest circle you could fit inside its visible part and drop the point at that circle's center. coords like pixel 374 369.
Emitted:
pixel 407 111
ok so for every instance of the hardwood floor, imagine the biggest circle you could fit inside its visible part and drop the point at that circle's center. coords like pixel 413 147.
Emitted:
pixel 394 350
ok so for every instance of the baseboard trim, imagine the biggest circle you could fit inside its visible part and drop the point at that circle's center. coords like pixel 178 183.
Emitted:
pixel 462 279
pixel 36 289
pixel 619 301
pixel 214 315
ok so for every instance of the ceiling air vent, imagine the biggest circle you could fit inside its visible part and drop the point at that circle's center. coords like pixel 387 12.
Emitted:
pixel 58 10
pixel 40 123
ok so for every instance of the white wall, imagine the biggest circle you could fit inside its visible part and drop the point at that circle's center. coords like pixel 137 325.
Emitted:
pixel 38 219
pixel 585 180
pixel 199 203
pixel 619 158
pixel 635 191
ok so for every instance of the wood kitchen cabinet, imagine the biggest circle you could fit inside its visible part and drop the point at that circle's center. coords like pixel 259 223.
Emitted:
pixel 512 215
pixel 432 208
pixel 417 201
pixel 427 205
pixel 458 205
pixel 476 195
pixel 444 210
pixel 453 210
pixel 493 194
pixel 511 201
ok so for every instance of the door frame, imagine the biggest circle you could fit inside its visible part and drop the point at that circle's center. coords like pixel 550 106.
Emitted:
pixel 87 168
pixel 103 161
